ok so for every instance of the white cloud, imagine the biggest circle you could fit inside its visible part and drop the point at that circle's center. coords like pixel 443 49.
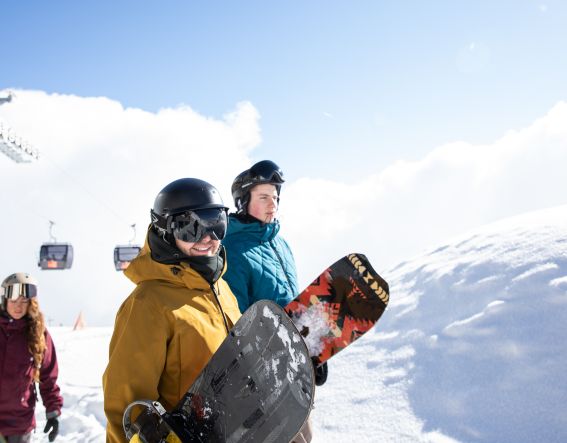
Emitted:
pixel 103 164
pixel 410 206
pixel 100 169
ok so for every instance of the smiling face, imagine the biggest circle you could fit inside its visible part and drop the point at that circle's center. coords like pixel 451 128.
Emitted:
pixel 263 203
pixel 17 308
pixel 207 246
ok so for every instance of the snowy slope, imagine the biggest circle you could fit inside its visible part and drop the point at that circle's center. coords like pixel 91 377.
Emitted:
pixel 82 357
pixel 470 350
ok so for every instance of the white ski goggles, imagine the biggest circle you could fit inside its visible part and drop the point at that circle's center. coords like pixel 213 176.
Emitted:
pixel 17 290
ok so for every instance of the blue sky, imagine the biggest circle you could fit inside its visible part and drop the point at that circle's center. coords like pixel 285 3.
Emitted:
pixel 342 87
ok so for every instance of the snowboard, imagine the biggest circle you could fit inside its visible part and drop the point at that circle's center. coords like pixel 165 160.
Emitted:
pixel 339 306
pixel 257 387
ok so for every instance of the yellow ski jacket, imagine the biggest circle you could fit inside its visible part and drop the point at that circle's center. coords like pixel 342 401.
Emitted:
pixel 164 335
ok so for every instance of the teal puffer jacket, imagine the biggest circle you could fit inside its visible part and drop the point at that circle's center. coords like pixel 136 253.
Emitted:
pixel 260 263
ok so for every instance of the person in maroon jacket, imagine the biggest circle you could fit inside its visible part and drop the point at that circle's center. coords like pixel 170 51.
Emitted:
pixel 27 357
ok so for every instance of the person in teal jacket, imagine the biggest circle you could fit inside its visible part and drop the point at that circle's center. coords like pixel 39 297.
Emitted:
pixel 260 262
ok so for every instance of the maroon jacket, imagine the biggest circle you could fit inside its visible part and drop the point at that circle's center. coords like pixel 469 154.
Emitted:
pixel 17 390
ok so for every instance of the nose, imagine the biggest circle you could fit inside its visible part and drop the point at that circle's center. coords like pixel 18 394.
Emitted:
pixel 206 238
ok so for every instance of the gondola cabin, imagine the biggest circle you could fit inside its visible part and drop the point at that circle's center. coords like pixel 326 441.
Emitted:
pixel 123 255
pixel 55 256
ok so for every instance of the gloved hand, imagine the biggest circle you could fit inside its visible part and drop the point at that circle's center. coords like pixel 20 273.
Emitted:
pixel 148 427
pixel 321 373
pixel 53 426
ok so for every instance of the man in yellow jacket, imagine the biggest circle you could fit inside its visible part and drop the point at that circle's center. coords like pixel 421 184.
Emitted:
pixel 181 309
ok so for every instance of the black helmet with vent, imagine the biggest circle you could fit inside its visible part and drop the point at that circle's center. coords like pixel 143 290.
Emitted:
pixel 189 208
pixel 263 172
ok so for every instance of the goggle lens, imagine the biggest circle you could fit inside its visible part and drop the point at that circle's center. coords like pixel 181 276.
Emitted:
pixel 192 226
pixel 267 171
pixel 17 290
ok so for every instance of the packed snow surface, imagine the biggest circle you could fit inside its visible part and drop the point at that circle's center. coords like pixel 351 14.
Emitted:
pixel 471 349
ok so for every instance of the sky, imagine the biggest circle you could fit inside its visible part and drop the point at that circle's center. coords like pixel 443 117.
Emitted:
pixel 397 125
pixel 470 349
pixel 342 88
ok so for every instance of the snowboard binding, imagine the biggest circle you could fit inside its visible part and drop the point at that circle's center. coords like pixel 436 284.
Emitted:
pixel 149 426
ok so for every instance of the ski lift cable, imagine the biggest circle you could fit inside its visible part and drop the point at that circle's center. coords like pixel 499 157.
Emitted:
pixel 51 236
pixel 55 255
pixel 33 210
pixel 9 96
pixel 85 189
pixel 90 194
pixel 133 239
pixel 52 223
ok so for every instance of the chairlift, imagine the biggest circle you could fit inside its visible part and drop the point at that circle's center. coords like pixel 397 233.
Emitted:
pixel 124 254
pixel 54 255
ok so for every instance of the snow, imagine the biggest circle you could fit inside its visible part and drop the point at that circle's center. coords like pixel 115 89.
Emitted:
pixel 471 349
pixel 314 318
pixel 296 359
pixel 82 357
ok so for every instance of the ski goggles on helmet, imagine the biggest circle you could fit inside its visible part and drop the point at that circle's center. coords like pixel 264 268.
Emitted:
pixel 17 290
pixel 192 226
pixel 266 171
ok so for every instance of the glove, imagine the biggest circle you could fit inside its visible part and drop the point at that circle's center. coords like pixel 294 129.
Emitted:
pixel 321 373
pixel 148 426
pixel 53 426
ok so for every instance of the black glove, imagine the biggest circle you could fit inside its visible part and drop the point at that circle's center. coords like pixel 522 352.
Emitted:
pixel 148 426
pixel 53 426
pixel 321 373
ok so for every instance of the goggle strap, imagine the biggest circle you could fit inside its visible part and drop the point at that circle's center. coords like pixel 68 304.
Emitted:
pixel 160 222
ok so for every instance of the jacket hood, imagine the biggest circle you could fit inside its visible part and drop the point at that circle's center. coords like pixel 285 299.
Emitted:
pixel 263 231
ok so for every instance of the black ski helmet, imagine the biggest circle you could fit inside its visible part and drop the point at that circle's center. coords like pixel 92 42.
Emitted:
pixel 180 196
pixel 263 172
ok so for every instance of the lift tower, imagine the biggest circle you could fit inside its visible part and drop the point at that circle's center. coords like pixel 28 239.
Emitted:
pixel 11 144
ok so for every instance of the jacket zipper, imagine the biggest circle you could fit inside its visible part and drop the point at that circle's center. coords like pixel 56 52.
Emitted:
pixel 215 293
pixel 282 265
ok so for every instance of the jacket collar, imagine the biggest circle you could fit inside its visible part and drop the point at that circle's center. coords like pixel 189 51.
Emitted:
pixel 8 323
pixel 144 268
pixel 264 232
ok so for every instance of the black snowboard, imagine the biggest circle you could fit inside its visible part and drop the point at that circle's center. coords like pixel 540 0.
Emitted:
pixel 257 387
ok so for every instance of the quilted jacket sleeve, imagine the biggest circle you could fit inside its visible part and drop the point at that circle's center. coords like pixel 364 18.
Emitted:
pixel 48 388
